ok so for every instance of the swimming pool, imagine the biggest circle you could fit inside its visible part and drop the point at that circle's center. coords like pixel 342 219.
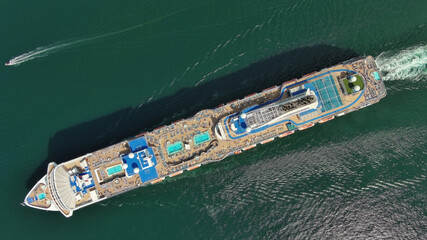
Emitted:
pixel 41 196
pixel 115 169
pixel 201 138
pixel 377 76
pixel 174 148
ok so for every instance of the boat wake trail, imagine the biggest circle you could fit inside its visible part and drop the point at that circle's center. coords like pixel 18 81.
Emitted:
pixel 46 50
pixel 407 64
pixel 42 52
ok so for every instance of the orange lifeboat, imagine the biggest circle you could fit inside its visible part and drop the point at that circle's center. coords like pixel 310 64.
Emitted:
pixel 157 181
pixel 193 167
pixel 267 141
pixel 306 126
pixel 175 174
pixel 326 119
pixel 250 147
pixel 286 134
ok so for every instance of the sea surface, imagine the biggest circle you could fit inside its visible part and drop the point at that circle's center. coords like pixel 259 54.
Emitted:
pixel 88 74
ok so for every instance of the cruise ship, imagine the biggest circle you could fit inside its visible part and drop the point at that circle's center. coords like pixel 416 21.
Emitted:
pixel 209 136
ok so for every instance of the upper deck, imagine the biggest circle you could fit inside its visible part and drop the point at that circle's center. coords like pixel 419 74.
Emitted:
pixel 211 135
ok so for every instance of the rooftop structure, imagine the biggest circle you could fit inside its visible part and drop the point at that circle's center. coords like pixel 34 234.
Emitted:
pixel 256 118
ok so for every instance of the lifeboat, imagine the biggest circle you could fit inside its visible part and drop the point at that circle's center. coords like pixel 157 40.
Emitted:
pixel 270 88
pixel 250 95
pixel 233 101
pixel 157 181
pixel 286 134
pixel 308 74
pixel 175 174
pixel 177 121
pixel 193 167
pixel 141 134
pixel 326 119
pixel 306 126
pixel 250 147
pixel 267 141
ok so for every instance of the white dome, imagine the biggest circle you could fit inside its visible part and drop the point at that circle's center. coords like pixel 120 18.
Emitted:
pixel 136 170
pixel 356 88
pixel 131 155
pixel 353 79
pixel 243 115
pixel 125 166
pixel 248 129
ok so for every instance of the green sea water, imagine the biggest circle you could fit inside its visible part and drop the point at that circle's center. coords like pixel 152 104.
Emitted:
pixel 92 73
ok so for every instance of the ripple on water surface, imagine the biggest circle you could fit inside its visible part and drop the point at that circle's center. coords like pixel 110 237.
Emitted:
pixel 340 189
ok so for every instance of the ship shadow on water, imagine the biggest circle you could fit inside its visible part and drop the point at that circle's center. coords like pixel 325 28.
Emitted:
pixel 102 132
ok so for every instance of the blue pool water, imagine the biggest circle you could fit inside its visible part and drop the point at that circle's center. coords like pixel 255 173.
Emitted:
pixel 114 170
pixel 201 138
pixel 41 196
pixel 175 148
pixel 377 76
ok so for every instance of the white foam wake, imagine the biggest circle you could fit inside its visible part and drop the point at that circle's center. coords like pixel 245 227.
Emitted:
pixel 44 51
pixel 407 64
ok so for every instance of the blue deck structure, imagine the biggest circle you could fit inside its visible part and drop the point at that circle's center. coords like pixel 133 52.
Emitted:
pixel 75 184
pixel 138 144
pixel 240 135
pixel 142 158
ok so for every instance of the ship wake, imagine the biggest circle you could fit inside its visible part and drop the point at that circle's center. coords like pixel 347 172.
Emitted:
pixel 46 50
pixel 42 52
pixel 408 64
